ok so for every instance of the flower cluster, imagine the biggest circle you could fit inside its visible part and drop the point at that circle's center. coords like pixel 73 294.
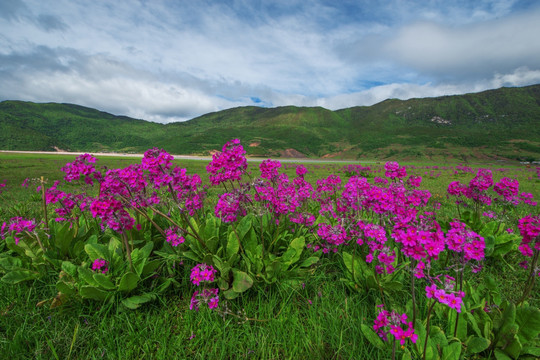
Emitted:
pixel 17 225
pixel 174 236
pixel 202 273
pixel 230 164
pixel 529 228
pixel 394 171
pixel 206 296
pixel 199 274
pixel 462 240
pixel 446 295
pixel 392 323
pixel 100 265
pixel 83 165
pixel 476 190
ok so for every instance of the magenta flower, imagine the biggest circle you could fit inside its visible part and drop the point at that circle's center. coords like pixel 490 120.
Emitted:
pixel 207 296
pixel 100 265
pixel 202 273
pixel 230 164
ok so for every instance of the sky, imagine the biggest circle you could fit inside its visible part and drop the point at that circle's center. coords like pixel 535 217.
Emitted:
pixel 174 60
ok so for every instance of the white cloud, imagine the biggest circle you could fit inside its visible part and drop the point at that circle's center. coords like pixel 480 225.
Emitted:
pixel 168 61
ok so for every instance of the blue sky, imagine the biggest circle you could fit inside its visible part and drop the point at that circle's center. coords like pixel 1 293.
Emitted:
pixel 174 60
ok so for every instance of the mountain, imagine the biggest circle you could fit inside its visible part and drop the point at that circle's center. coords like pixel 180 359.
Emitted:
pixel 501 123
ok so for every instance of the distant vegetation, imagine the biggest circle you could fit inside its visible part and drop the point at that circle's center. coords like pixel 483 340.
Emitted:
pixel 495 124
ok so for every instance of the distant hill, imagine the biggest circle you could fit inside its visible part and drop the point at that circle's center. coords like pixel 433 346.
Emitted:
pixel 502 123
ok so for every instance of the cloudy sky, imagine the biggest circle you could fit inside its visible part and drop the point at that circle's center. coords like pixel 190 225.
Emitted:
pixel 173 60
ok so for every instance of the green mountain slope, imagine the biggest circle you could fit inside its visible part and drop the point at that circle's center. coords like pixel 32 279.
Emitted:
pixel 502 123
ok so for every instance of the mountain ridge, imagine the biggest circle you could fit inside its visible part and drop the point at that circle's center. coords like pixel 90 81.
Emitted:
pixel 497 124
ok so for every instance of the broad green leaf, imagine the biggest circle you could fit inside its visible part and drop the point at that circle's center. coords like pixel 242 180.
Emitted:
pixel 133 302
pixel 473 324
pixel 91 292
pixel 150 267
pixel 508 319
pixel 296 247
pixel 500 355
pixel 477 344
pixel 69 268
pixel 452 351
pixel 191 255
pixel 490 245
pixel 210 228
pixel 528 320
pixel 241 281
pixel 392 285
pixel 462 325
pixel 128 282
pixel 104 281
pixel 10 263
pixel 17 276
pixel 65 288
pixel 514 348
pixel 194 224
pixel 244 225
pixel 531 350
pixel 309 261
pixel 88 276
pixel 372 337
pixel 233 245
pixel 230 294
pixel 97 251
pixel 438 336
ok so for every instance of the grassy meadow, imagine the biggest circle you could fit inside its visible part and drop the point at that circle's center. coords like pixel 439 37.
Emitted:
pixel 319 318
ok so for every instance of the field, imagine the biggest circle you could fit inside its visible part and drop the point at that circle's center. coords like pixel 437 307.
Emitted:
pixel 278 298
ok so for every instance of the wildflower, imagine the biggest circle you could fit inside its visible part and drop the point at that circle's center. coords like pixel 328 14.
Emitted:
pixel 100 265
pixel 173 237
pixel 206 296
pixel 202 273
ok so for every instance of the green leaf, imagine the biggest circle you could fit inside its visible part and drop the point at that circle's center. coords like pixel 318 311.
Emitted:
pixel 192 256
pixel 233 245
pixel 230 294
pixel 309 261
pixel 528 319
pixel 452 351
pixel 63 237
pixel 514 348
pixel 91 292
pixel 87 276
pixel 150 267
pixel 65 288
pixel 499 355
pixel 104 281
pixel 372 337
pixel 477 344
pixel 438 337
pixel 244 225
pixel 241 281
pixel 69 268
pixel 392 285
pixel 128 282
pixel 531 350
pixel 462 325
pixel 9 262
pixel 473 323
pixel 97 251
pixel 508 319
pixel 194 224
pixel 17 276
pixel 294 251
pixel 133 302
